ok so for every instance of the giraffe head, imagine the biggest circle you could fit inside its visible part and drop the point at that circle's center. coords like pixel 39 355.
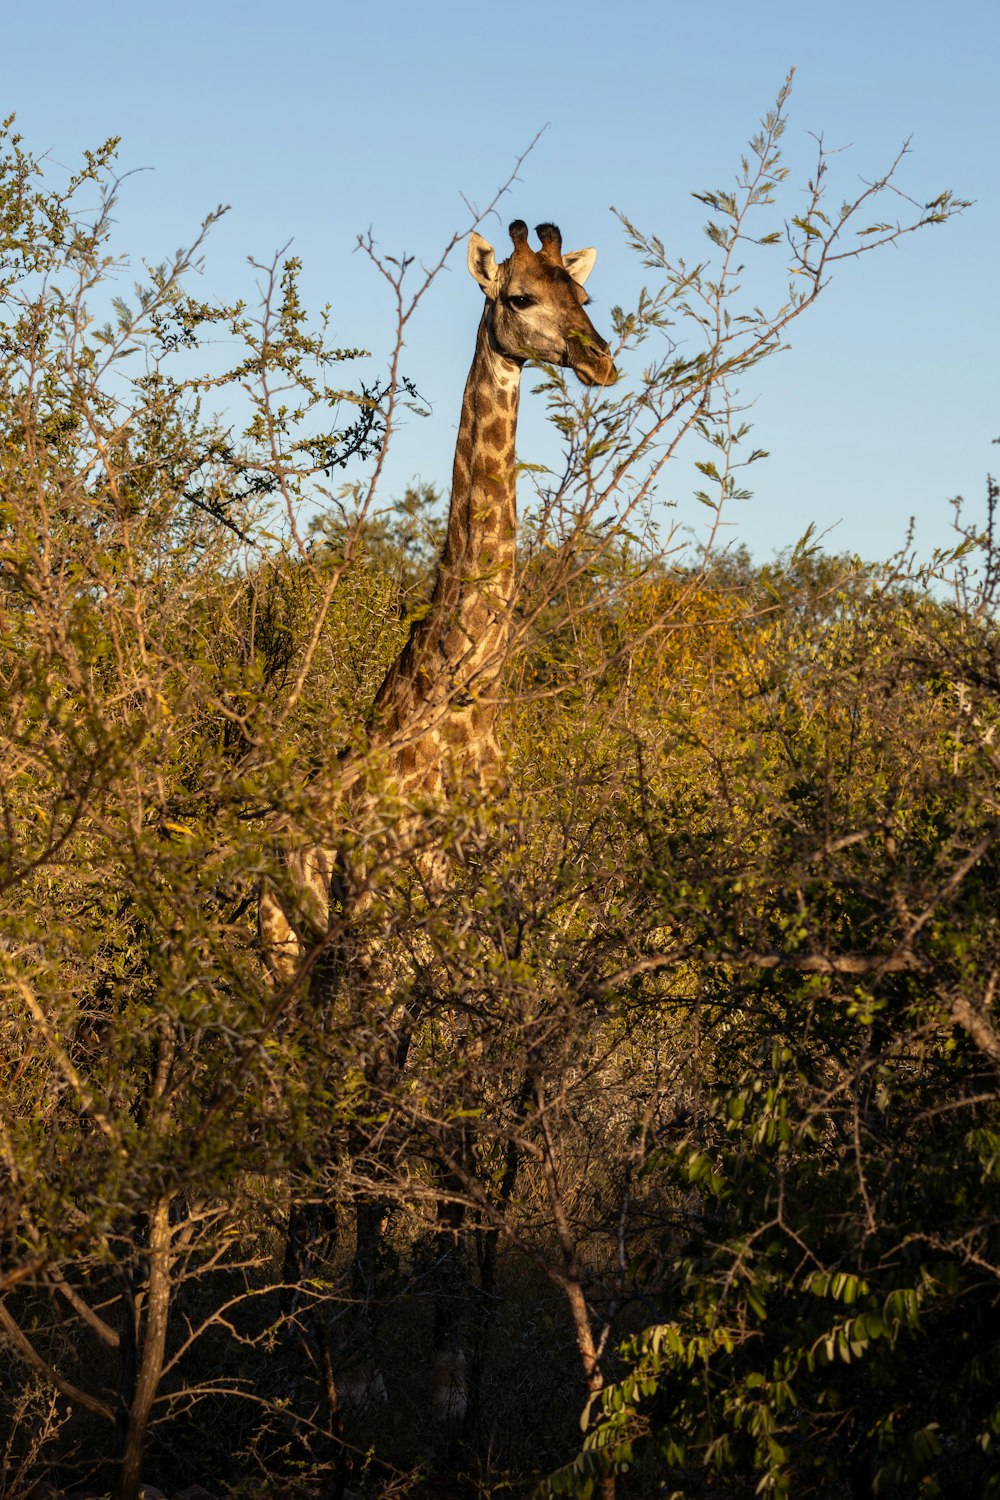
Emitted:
pixel 537 303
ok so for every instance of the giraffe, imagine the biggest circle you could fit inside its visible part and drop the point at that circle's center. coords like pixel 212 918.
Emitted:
pixel 432 728
pixel 433 721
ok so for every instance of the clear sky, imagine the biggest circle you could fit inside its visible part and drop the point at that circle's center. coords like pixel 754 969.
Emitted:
pixel 317 121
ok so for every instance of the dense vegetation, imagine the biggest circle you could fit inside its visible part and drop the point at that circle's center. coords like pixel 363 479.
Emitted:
pixel 674 1106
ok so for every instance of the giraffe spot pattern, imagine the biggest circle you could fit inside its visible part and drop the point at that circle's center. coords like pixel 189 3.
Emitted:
pixel 433 722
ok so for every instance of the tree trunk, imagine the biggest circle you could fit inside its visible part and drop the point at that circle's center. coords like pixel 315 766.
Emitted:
pixel 449 1382
pixel 152 1341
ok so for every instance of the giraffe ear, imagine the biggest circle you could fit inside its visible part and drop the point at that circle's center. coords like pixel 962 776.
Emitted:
pixel 579 264
pixel 481 262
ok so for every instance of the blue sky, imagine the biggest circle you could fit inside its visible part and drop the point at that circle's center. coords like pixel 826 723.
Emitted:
pixel 317 121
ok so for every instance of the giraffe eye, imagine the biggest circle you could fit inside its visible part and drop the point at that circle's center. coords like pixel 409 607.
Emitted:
pixel 520 303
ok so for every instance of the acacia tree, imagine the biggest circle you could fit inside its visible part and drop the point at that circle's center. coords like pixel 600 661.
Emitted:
pixel 132 986
pixel 177 684
pixel 825 1291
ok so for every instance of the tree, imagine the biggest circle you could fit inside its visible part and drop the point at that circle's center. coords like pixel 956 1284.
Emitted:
pixel 826 1290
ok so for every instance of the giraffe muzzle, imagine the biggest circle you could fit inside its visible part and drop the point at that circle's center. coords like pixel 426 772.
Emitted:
pixel 592 364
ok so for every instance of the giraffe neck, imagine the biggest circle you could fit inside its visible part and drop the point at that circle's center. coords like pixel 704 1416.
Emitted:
pixel 476 571
pixel 445 673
